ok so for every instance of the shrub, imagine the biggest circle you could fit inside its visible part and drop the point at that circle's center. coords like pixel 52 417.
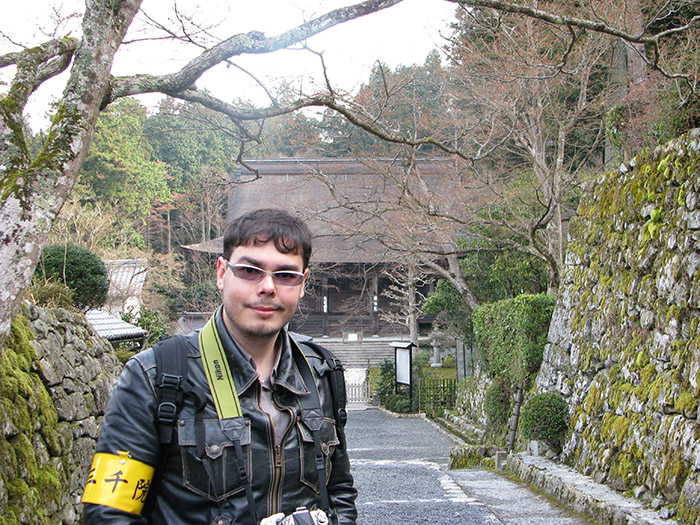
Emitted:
pixel 511 335
pixel 151 320
pixel 79 269
pixel 497 401
pixel 398 403
pixel 51 294
pixel 402 405
pixel 545 418
pixel 387 380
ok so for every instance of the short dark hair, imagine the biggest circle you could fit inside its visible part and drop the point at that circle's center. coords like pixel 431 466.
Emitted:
pixel 255 228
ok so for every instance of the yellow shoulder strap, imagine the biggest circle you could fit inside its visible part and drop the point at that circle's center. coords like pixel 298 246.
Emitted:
pixel 223 390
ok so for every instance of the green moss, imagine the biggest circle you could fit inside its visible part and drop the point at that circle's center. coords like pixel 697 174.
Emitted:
pixel 687 510
pixel 625 469
pixel 621 425
pixel 674 473
pixel 686 403
pixel 642 359
pixel 24 452
pixel 469 456
pixel 593 402
pixel 27 404
pixel 8 465
pixel 647 374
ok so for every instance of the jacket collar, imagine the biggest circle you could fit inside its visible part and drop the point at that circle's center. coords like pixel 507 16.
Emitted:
pixel 285 373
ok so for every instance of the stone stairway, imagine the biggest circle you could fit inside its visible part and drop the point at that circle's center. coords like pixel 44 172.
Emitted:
pixel 368 353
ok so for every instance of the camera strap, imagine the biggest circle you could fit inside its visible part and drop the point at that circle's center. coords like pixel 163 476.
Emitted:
pixel 228 407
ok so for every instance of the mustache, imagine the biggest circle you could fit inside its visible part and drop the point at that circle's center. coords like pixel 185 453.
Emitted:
pixel 264 304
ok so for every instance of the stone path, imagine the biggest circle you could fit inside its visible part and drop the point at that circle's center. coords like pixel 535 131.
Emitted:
pixel 400 469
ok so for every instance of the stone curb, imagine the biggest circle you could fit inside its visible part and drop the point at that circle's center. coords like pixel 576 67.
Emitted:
pixel 581 493
pixel 402 416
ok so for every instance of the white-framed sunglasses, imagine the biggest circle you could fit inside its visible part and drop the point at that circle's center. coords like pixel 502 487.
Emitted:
pixel 255 274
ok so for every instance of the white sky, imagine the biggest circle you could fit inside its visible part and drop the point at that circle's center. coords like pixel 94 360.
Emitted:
pixel 402 34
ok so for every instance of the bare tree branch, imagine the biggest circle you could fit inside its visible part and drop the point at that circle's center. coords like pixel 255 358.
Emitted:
pixel 653 41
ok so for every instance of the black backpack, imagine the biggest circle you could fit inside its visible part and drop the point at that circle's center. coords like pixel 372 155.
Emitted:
pixel 172 385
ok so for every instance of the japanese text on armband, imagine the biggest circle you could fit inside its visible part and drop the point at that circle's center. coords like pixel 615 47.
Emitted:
pixel 118 481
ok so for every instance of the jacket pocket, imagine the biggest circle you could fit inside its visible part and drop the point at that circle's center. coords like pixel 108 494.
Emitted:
pixel 329 440
pixel 215 474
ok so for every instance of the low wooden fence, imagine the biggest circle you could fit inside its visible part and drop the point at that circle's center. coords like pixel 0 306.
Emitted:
pixel 358 392
pixel 436 395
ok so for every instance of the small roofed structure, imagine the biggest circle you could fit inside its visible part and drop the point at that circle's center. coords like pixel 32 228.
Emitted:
pixel 126 280
pixel 116 330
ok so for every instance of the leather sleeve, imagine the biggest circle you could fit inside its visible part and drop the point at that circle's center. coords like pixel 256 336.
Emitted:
pixel 128 425
pixel 341 488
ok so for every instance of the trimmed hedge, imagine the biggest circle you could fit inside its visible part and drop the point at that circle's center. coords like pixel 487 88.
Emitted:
pixel 79 269
pixel 498 403
pixel 511 335
pixel 545 417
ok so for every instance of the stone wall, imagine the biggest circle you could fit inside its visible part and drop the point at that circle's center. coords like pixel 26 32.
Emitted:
pixel 55 379
pixel 624 343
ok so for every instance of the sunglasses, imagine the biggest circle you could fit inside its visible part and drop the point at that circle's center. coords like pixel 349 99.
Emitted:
pixel 255 274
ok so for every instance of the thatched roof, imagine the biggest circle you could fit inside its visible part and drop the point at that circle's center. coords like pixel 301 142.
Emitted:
pixel 311 188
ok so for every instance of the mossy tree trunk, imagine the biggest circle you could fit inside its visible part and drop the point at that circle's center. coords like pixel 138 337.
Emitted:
pixel 34 190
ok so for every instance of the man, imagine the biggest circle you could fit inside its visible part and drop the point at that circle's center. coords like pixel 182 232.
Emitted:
pixel 203 479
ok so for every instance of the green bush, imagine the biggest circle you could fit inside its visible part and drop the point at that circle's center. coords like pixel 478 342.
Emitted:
pixel 398 403
pixel 79 269
pixel 387 380
pixel 151 320
pixel 511 335
pixel 545 418
pixel 497 401
pixel 402 405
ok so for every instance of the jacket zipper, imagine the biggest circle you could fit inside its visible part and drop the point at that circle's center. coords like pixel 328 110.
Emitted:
pixel 278 458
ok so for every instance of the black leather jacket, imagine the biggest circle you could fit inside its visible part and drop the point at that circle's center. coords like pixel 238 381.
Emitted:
pixel 283 477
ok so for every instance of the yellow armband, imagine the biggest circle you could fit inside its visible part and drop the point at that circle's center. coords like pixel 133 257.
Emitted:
pixel 118 481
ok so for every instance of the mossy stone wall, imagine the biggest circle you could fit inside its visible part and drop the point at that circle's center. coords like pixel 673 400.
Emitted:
pixel 55 379
pixel 624 343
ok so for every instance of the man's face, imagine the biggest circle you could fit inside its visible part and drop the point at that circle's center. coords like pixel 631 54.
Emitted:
pixel 255 310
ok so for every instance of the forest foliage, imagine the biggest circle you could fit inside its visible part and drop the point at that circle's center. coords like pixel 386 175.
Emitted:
pixel 529 110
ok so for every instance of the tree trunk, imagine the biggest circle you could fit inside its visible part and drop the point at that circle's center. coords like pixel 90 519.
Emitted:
pixel 637 69
pixel 33 193
pixel 169 233
pixel 412 306
pixel 514 419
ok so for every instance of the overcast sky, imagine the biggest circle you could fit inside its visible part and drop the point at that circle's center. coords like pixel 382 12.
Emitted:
pixel 402 34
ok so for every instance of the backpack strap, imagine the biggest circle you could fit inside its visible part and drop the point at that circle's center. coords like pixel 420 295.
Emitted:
pixel 332 366
pixel 171 387
pixel 312 417
pixel 171 378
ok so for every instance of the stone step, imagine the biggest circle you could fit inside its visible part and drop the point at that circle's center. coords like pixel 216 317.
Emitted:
pixel 365 354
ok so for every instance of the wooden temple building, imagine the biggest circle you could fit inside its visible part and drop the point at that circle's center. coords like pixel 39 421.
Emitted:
pixel 345 295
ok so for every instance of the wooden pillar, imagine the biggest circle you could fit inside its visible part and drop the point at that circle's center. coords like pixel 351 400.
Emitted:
pixel 374 304
pixel 324 303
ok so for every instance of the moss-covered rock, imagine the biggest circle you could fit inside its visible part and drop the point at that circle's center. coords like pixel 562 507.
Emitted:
pixel 42 465
pixel 32 482
pixel 630 345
